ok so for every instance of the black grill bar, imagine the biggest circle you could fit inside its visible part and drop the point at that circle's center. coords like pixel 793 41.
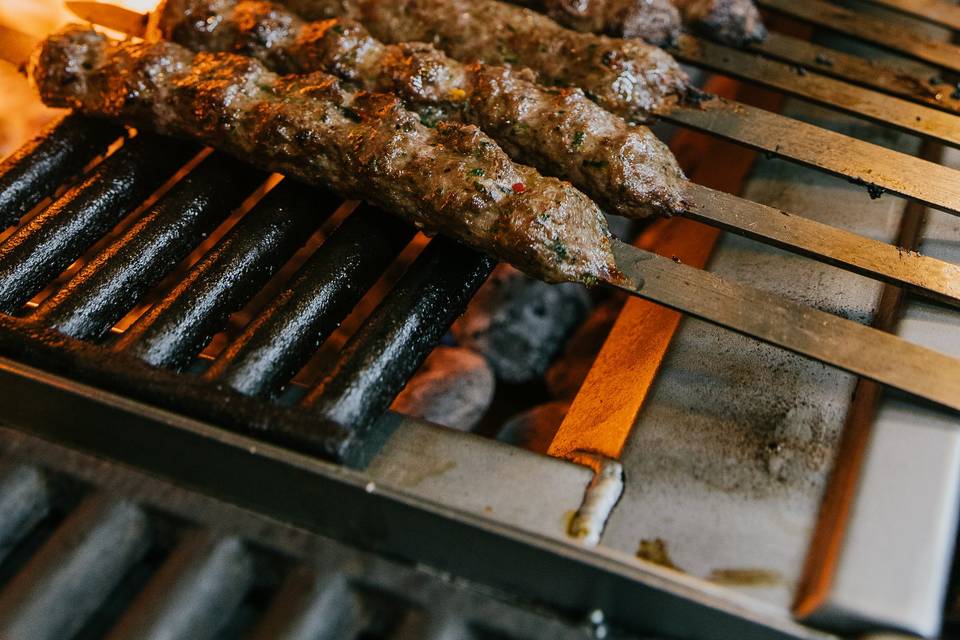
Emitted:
pixel 284 336
pixel 128 376
pixel 46 162
pixel 45 246
pixel 110 284
pixel 24 500
pixel 377 361
pixel 174 330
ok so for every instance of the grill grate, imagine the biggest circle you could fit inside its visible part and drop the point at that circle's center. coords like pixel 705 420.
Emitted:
pixel 69 331
pixel 95 564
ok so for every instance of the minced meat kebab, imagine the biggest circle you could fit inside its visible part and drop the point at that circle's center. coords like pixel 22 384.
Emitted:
pixel 451 179
pixel 628 77
pixel 733 22
pixel 624 168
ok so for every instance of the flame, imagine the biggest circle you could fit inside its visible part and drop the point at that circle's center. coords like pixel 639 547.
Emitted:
pixel 21 112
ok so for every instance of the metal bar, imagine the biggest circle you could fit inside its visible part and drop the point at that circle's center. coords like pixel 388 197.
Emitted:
pixel 193 594
pixel 921 274
pixel 118 372
pixel 174 330
pixel 842 343
pixel 60 151
pixel 45 246
pixel 870 29
pixel 378 360
pixel 74 572
pixel 111 283
pixel 310 606
pixel 24 501
pixel 939 12
pixel 909 84
pixel 284 336
pixel 900 114
pixel 877 168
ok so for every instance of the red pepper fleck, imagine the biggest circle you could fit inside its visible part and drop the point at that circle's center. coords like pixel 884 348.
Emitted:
pixel 519 187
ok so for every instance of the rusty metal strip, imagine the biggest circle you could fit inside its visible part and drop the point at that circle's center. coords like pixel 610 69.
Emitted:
pixel 939 12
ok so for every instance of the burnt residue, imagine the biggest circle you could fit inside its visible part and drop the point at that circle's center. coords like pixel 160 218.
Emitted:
pixel 376 362
pixel 655 550
pixel 34 171
pixel 746 577
pixel 126 375
pixel 875 191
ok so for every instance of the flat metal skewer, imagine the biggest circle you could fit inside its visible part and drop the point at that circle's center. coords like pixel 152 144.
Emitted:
pixel 877 107
pixel 835 341
pixel 877 168
pixel 842 343
pixel 928 277
pixel 914 84
pixel 945 14
pixel 869 29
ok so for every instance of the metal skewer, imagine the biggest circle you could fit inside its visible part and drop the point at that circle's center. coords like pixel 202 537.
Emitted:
pixel 937 12
pixel 900 114
pixel 916 85
pixel 918 371
pixel 869 29
pixel 932 278
pixel 877 168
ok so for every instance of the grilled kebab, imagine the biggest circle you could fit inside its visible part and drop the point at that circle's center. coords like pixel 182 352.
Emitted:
pixel 628 77
pixel 451 179
pixel 656 21
pixel 733 22
pixel 624 168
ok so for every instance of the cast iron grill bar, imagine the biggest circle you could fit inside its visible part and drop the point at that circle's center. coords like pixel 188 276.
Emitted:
pixel 194 592
pixel 24 501
pixel 377 361
pixel 174 330
pixel 40 250
pixel 870 29
pixel 189 396
pixel 61 151
pixel 112 282
pixel 925 88
pixel 71 576
pixel 284 336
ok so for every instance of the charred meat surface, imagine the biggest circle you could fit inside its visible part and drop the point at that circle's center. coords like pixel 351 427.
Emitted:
pixel 628 77
pixel 656 21
pixel 451 179
pixel 733 22
pixel 624 168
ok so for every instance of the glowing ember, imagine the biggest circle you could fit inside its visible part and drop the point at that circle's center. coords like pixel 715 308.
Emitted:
pixel 21 113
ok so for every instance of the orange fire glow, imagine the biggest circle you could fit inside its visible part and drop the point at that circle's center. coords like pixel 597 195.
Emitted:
pixel 21 112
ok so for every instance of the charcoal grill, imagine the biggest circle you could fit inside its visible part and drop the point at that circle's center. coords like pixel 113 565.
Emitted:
pixel 225 474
